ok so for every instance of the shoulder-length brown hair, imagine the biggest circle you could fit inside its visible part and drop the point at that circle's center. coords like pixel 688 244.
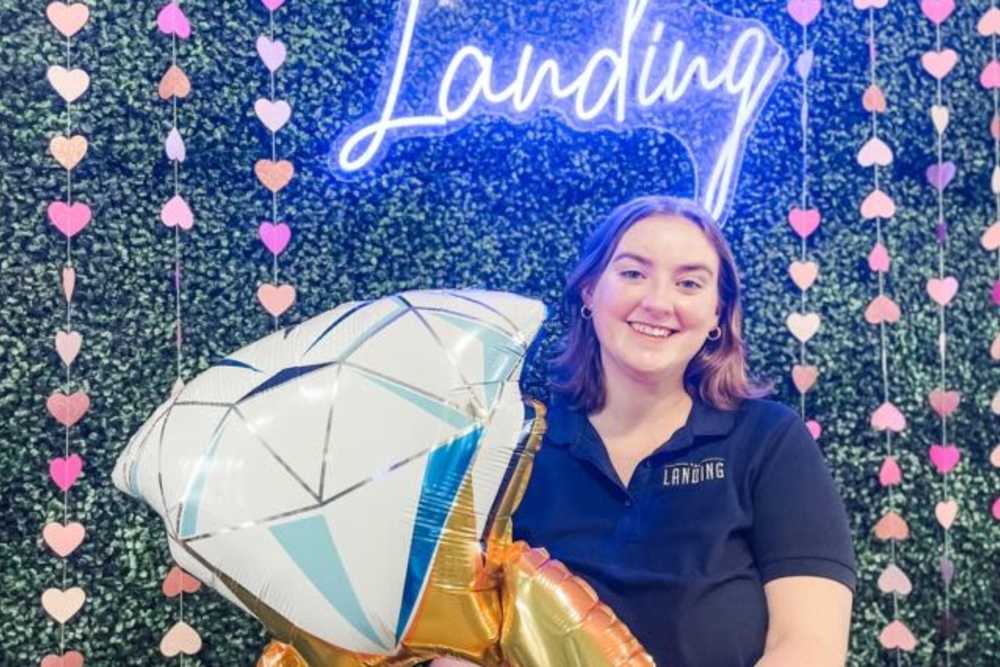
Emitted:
pixel 718 373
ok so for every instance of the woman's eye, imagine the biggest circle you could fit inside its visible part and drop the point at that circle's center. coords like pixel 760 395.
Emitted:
pixel 691 284
pixel 631 274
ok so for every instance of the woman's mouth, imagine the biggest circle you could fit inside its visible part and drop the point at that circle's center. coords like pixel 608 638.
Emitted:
pixel 650 330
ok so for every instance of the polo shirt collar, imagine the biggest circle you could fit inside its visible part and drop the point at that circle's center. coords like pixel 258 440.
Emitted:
pixel 570 427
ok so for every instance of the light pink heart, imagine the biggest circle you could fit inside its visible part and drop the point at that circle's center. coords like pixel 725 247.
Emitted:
pixel 991 237
pixel 888 417
pixel 272 5
pixel 67 659
pixel 803 325
pixel 273 114
pixel 878 205
pixel 990 76
pixel 65 471
pixel 67 19
pixel 870 4
pixel 181 638
pixel 894 580
pixel 804 377
pixel 945 457
pixel 804 12
pixel 939 63
pixel 989 23
pixel 942 290
pixel 276 299
pixel 171 21
pixel 174 146
pixel 882 309
pixel 177 213
pixel 897 636
pixel 815 430
pixel 63 540
pixel 889 473
pixel 62 605
pixel 68 282
pixel 68 345
pixel 940 175
pixel 69 219
pixel 875 151
pixel 275 236
pixel 178 581
pixel 69 83
pixel 272 53
pixel 68 409
pixel 944 402
pixel 946 512
pixel 937 10
pixel 878 258
pixel 804 222
pixel 803 274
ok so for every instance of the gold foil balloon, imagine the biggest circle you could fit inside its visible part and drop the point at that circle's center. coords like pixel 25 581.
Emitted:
pixel 350 481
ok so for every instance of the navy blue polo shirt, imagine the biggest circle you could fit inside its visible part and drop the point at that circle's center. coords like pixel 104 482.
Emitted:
pixel 731 501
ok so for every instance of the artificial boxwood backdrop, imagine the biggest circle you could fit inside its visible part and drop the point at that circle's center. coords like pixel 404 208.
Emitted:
pixel 494 205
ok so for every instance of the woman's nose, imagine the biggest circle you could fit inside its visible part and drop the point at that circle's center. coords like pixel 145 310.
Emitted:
pixel 659 298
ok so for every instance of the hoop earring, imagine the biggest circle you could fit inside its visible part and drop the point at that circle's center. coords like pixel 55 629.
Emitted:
pixel 718 334
pixel 585 312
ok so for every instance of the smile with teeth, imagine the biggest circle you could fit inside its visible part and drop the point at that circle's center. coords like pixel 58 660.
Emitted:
pixel 650 330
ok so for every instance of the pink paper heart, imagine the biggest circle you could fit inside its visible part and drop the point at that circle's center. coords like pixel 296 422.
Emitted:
pixel 939 63
pixel 181 638
pixel 937 10
pixel 70 220
pixel 804 63
pixel 995 293
pixel 894 580
pixel 991 237
pixel 996 509
pixel 878 205
pixel 273 114
pixel 275 236
pixel 944 402
pixel 995 457
pixel 272 53
pixel 63 605
pixel 68 659
pixel 815 430
pixel 803 274
pixel 940 175
pixel 888 417
pixel 882 309
pixel 803 325
pixel 804 377
pixel 174 146
pixel 68 345
pixel 172 21
pixel 67 19
pixel 65 471
pixel 272 5
pixel 945 457
pixel 875 151
pixel 804 11
pixel 69 83
pixel 63 540
pixel 68 282
pixel 878 258
pixel 942 290
pixel 890 474
pixel 68 410
pixel 946 512
pixel 870 4
pixel 990 76
pixel 276 299
pixel 177 213
pixel 897 636
pixel 989 23
pixel 178 581
pixel 804 222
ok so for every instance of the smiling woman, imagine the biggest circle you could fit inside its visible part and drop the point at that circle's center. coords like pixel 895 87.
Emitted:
pixel 702 514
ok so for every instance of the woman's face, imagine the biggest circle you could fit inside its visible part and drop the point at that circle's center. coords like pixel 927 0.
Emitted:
pixel 656 301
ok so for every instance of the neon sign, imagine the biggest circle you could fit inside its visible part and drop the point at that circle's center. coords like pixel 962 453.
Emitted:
pixel 670 65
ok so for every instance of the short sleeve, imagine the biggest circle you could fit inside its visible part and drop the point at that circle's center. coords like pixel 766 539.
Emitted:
pixel 800 525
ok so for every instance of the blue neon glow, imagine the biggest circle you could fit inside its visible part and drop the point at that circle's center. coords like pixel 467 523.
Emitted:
pixel 672 65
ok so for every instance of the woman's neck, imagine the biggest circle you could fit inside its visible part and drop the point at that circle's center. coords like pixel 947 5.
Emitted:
pixel 629 408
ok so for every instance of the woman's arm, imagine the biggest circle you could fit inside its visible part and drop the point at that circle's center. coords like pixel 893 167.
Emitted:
pixel 809 622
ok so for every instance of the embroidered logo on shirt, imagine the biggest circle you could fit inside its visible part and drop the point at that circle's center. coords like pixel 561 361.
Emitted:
pixel 689 474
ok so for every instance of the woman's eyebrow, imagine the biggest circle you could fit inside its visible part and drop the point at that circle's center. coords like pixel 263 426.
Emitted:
pixel 631 255
pixel 685 268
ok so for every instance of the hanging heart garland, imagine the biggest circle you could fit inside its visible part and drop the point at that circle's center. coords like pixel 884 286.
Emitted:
pixel 274 297
pixel 67 407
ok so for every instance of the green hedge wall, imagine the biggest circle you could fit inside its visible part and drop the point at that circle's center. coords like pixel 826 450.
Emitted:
pixel 494 205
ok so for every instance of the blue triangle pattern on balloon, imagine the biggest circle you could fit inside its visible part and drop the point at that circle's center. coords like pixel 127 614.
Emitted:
pixel 500 353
